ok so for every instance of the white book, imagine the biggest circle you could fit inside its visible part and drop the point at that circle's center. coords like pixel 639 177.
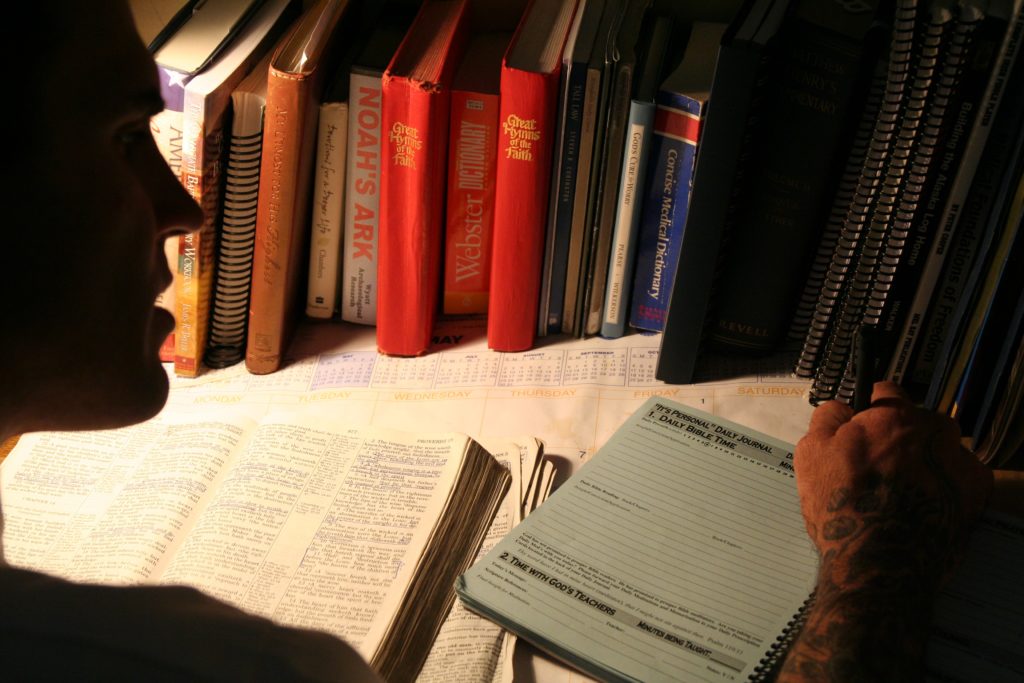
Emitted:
pixel 327 219
pixel 362 200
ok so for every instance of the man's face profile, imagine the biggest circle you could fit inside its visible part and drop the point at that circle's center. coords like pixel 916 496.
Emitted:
pixel 92 208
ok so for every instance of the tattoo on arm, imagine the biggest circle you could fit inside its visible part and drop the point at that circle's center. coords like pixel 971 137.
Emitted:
pixel 876 582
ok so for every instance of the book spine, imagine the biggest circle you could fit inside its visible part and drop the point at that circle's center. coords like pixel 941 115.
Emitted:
pixel 958 193
pixel 285 183
pixel 1000 226
pixel 415 137
pixel 528 103
pixel 619 287
pixel 362 201
pixel 931 93
pixel 987 194
pixel 677 123
pixel 229 317
pixel 166 129
pixel 975 52
pixel 471 185
pixel 202 150
pixel 719 176
pixel 576 262
pixel 326 221
pixel 563 183
pixel 613 153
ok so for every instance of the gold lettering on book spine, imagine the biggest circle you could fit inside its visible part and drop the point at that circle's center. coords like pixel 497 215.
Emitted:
pixel 522 137
pixel 405 144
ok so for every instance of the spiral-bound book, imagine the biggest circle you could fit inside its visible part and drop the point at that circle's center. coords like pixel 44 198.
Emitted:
pixel 229 317
pixel 677 553
pixel 928 51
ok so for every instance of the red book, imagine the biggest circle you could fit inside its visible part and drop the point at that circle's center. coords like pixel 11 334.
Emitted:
pixel 472 174
pixel 414 127
pixel 529 89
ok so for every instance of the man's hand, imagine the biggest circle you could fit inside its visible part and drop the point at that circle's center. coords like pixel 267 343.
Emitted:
pixel 889 496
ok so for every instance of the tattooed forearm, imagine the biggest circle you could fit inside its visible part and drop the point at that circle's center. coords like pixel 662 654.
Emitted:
pixel 876 583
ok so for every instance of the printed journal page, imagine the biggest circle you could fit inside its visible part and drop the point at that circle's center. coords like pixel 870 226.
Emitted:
pixel 677 553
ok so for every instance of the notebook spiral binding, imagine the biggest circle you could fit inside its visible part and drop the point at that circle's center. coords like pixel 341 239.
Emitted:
pixel 851 245
pixel 936 105
pixel 768 666
pixel 229 318
pixel 813 320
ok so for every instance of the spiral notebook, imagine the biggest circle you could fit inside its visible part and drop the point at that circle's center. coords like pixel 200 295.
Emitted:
pixel 677 553
pixel 229 317
pixel 875 268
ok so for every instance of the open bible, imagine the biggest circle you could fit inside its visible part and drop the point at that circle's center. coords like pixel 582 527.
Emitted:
pixel 356 531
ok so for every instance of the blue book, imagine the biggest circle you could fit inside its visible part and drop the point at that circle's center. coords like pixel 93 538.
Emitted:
pixel 681 103
pixel 655 35
pixel 573 92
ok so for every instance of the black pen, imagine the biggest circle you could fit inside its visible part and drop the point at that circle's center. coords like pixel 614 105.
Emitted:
pixel 865 361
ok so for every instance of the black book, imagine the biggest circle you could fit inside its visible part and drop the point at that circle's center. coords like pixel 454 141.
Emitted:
pixel 733 121
pixel 817 84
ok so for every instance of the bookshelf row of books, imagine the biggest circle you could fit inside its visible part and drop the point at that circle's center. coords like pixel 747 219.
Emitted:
pixel 790 179
pixel 446 162
pixel 856 201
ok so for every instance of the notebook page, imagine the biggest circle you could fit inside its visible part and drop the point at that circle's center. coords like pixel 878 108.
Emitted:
pixel 677 553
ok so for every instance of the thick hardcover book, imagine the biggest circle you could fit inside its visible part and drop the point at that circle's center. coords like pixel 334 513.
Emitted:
pixel 229 316
pixel 357 532
pixel 678 553
pixel 296 81
pixel 205 117
pixel 529 90
pixel 620 64
pixel 731 126
pixel 360 252
pixel 651 50
pixel 416 91
pixel 681 102
pixel 595 100
pixel 572 90
pixel 472 174
pixel 816 85
pixel 956 210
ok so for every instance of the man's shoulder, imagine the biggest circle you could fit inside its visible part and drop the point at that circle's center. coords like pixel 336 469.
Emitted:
pixel 61 629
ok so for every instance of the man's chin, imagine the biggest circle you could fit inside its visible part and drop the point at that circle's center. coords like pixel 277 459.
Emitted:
pixel 161 325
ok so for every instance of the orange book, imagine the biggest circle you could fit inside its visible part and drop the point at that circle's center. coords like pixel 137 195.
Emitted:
pixel 471 174
pixel 529 90
pixel 298 75
pixel 414 127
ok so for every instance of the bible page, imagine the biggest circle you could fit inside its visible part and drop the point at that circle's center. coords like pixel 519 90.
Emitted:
pixel 112 506
pixel 321 526
pixel 468 647
pixel 677 553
